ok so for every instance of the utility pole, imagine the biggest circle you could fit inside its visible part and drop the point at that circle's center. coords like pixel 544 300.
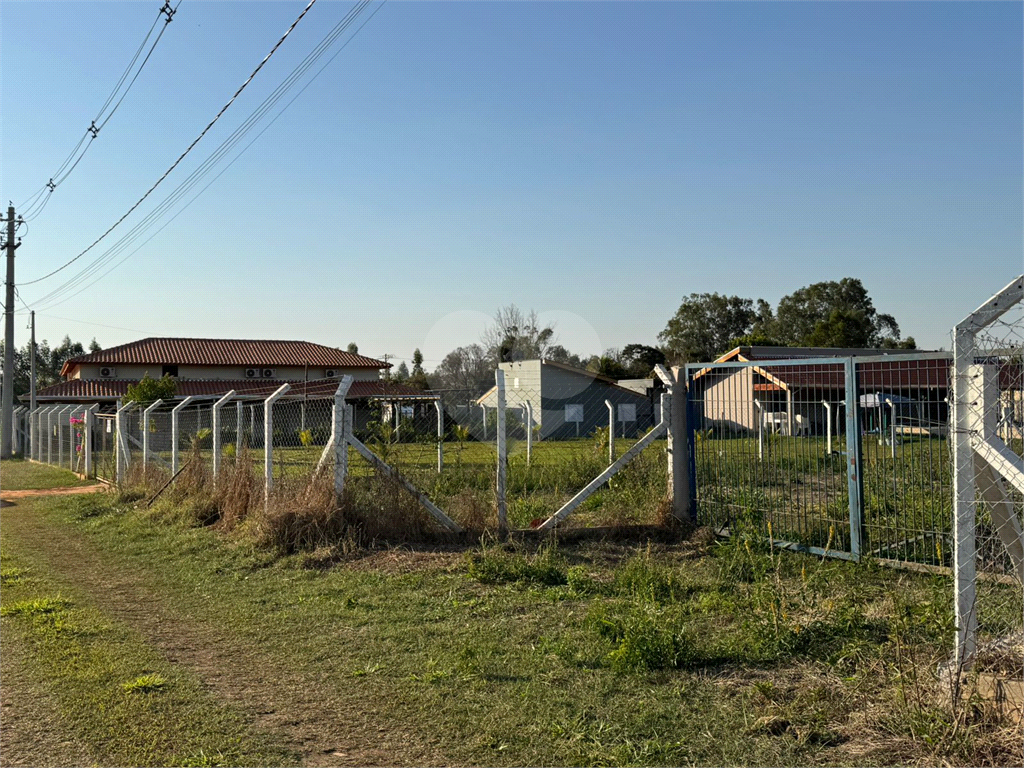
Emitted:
pixel 7 415
pixel 32 374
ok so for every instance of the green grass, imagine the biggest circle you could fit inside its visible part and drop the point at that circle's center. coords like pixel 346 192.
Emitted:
pixel 597 654
pixel 18 475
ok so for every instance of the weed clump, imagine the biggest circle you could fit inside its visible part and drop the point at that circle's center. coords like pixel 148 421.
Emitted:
pixel 645 639
pixel 497 566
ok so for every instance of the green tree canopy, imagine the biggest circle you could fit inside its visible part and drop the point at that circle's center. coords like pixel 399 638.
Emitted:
pixel 704 324
pixel 825 314
pixel 149 390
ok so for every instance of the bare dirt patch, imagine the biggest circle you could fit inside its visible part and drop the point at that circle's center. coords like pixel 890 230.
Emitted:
pixel 32 493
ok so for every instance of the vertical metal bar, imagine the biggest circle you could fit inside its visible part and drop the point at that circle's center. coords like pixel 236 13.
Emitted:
pixel 239 428
pixel 611 431
pixel 854 479
pixel 502 477
pixel 145 433
pixel 440 434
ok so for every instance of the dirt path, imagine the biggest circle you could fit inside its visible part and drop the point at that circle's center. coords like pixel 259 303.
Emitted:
pixel 235 671
pixel 32 493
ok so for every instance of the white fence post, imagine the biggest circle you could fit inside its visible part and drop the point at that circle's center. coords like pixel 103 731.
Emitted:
pixel 15 414
pixel 145 433
pixel 340 427
pixel 121 443
pixel 240 417
pixel 440 434
pixel 678 441
pixel 828 426
pixel 528 407
pixel 216 431
pixel 87 428
pixel 611 431
pixel 502 477
pixel 175 433
pixel 60 433
pixel 49 433
pixel 268 439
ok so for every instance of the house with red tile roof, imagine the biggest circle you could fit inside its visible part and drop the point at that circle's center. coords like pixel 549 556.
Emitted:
pixel 209 368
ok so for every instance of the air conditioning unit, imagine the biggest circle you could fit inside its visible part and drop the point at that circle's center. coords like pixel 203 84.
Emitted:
pixel 252 373
pixel 267 373
pixel 108 373
pixel 332 373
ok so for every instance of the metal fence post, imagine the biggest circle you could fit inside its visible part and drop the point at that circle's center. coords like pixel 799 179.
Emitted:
pixel 528 406
pixel 341 427
pixel 175 433
pixel 828 426
pixel 145 433
pixel 611 431
pixel 502 476
pixel 216 431
pixel 855 464
pixel 440 434
pixel 268 439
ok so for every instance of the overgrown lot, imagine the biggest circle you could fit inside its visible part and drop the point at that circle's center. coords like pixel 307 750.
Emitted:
pixel 680 651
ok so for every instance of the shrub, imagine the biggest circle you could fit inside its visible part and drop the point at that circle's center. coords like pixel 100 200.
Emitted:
pixel 496 566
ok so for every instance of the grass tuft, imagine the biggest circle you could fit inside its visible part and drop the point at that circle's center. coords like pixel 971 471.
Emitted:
pixel 145 684
pixel 38 607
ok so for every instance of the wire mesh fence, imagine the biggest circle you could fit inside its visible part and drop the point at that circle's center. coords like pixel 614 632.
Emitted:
pixel 563 429
pixel 988 470
pixel 770 451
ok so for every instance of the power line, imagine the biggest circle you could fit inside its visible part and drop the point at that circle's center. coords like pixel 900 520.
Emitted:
pixel 77 284
pixel 181 157
pixel 34 206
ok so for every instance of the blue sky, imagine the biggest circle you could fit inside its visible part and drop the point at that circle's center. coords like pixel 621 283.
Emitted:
pixel 595 162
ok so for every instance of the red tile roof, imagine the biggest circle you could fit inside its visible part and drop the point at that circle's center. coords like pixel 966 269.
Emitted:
pixel 242 352
pixel 96 390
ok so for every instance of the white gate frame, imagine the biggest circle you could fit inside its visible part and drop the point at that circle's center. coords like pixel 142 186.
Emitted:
pixel 145 433
pixel 979 452
pixel 122 454
pixel 175 432
pixel 677 451
pixel 268 439
pixel 216 431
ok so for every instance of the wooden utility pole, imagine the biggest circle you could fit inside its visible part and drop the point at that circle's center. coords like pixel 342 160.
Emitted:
pixel 32 365
pixel 7 416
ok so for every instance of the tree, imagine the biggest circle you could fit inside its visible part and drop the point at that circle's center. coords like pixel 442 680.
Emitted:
pixel 469 368
pixel 705 323
pixel 149 390
pixel 607 364
pixel 639 360
pixel 418 377
pixel 48 363
pixel 560 354
pixel 94 346
pixel 401 373
pixel 61 354
pixel 352 348
pixel 517 335
pixel 834 314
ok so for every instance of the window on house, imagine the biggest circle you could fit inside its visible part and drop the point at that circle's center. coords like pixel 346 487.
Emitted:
pixel 170 370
